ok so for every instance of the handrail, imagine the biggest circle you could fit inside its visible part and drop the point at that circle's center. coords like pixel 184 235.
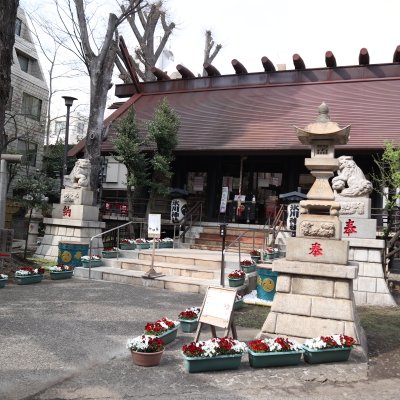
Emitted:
pixel 183 221
pixel 101 234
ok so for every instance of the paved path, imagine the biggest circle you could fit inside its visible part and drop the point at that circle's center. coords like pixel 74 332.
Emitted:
pixel 66 340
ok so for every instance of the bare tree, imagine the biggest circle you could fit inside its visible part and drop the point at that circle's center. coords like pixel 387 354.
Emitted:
pixel 208 48
pixel 144 25
pixel 8 15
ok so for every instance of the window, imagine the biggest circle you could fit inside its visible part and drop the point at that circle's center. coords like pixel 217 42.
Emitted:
pixel 28 150
pixel 9 101
pixel 23 61
pixel 31 106
pixel 18 26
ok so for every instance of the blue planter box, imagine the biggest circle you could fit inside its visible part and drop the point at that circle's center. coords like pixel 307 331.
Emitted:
pixel 168 336
pixel 109 254
pixel 219 363
pixel 94 263
pixel 188 326
pixel 55 275
pixel 127 246
pixel 248 268
pixel 165 245
pixel 3 282
pixel 274 359
pixel 235 282
pixel 28 279
pixel 142 245
pixel 312 356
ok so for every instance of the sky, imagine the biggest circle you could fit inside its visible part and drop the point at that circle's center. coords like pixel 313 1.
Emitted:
pixel 249 30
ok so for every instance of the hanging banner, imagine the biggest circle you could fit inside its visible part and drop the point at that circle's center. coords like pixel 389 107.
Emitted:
pixel 224 200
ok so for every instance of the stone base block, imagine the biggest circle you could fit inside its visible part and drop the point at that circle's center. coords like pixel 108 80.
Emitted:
pixel 354 207
pixel 362 228
pixel 317 250
pixel 74 211
pixel 78 196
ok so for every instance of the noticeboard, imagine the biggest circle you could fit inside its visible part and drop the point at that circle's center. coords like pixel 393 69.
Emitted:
pixel 218 306
pixel 154 226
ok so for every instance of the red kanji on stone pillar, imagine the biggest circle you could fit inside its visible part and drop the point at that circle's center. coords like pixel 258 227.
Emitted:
pixel 316 249
pixel 66 211
pixel 349 227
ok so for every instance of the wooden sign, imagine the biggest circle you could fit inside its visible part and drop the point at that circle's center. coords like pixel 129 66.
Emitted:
pixel 217 310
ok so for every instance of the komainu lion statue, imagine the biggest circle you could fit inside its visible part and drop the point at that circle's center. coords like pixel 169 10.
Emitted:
pixel 350 181
pixel 80 175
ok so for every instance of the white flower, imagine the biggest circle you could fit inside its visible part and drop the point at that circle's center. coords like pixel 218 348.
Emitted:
pixel 3 276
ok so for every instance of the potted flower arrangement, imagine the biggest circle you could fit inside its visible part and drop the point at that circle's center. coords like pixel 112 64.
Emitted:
pixel 110 252
pixel 91 261
pixel 236 278
pixel 146 350
pixel 248 266
pixel 274 352
pixel 331 348
pixel 255 255
pixel 27 275
pixel 269 253
pixel 213 355
pixel 189 319
pixel 61 271
pixel 142 243
pixel 166 243
pixel 127 244
pixel 3 280
pixel 238 304
pixel 163 328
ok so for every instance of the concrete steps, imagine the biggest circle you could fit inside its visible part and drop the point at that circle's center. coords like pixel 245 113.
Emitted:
pixel 185 270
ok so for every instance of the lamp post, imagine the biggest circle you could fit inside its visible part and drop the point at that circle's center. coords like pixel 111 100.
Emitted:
pixel 68 102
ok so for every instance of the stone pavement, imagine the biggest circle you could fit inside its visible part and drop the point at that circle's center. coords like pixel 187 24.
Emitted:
pixel 66 340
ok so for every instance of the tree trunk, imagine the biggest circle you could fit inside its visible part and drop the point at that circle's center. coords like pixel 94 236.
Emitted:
pixel 8 15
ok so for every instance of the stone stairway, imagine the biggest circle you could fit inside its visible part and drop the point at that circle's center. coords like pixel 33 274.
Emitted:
pixel 210 239
pixel 185 270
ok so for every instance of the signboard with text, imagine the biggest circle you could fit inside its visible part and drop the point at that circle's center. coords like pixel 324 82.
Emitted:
pixel 154 226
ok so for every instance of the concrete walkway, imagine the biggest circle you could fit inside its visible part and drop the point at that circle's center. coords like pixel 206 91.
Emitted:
pixel 66 340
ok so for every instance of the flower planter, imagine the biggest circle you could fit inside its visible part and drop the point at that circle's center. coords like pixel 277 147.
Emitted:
pixel 28 279
pixel 142 245
pixel 238 304
pixel 147 359
pixel 56 275
pixel 3 282
pixel 168 336
pixel 127 246
pixel 248 268
pixel 165 245
pixel 94 263
pixel 317 356
pixel 277 254
pixel 274 359
pixel 218 363
pixel 268 256
pixel 109 254
pixel 256 259
pixel 235 282
pixel 188 325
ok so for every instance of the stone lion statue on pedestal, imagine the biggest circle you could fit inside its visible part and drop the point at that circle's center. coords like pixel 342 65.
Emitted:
pixel 80 175
pixel 350 180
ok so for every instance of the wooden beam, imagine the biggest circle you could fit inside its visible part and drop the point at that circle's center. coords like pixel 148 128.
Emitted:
pixel 267 64
pixel 211 70
pixel 363 58
pixel 128 64
pixel 238 67
pixel 330 59
pixel 185 72
pixel 160 75
pixel 298 62
pixel 396 55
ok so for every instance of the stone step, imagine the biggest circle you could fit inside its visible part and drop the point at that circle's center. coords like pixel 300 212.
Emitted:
pixel 235 231
pixel 216 244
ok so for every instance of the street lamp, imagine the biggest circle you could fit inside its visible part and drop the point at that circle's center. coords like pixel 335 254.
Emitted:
pixel 68 102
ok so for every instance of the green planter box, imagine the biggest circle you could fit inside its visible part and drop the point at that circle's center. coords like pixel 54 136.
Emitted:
pixel 256 259
pixel 56 275
pixel 165 245
pixel 219 363
pixel 169 336
pixel 127 246
pixel 312 356
pixel 94 263
pixel 28 279
pixel 237 305
pixel 3 282
pixel 235 282
pixel 268 256
pixel 109 254
pixel 274 359
pixel 248 268
pixel 142 246
pixel 188 326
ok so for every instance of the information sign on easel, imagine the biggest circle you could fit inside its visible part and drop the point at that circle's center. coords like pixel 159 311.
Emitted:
pixel 217 310
pixel 153 231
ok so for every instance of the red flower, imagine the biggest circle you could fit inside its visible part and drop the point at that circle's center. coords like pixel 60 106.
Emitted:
pixel 192 350
pixel 237 274
pixel 258 346
pixel 188 315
